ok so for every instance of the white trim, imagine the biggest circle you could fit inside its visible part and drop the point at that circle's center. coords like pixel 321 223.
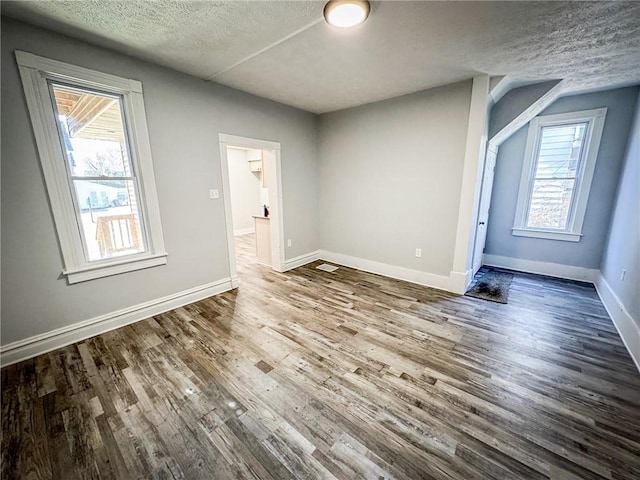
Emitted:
pixel 228 215
pixel 401 273
pixel 628 329
pixel 275 198
pixel 474 156
pixel 300 260
pixel 65 71
pixel 243 231
pixel 61 337
pixel 99 271
pixel 460 281
pixel 246 142
pixel 55 178
pixel 499 86
pixel 35 71
pixel 577 116
pixel 492 149
pixel 547 234
pixel 276 213
pixel 525 117
pixel 584 176
pixel 543 268
pixel 139 144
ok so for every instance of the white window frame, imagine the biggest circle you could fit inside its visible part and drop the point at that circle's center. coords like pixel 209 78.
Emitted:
pixel 35 72
pixel 593 134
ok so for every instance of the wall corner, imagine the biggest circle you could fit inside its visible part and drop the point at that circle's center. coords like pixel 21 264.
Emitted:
pixel 473 163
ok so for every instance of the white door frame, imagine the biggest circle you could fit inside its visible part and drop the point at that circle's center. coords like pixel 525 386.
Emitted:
pixel 275 199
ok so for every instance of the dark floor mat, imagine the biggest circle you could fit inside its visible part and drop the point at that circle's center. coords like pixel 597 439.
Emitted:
pixel 492 285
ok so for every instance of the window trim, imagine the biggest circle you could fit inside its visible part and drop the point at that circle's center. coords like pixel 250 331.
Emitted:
pixel 595 123
pixel 35 72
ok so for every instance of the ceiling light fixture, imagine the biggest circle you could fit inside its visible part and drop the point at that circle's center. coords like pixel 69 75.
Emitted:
pixel 346 13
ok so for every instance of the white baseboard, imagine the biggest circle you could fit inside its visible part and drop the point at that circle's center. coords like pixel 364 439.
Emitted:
pixel 401 273
pixel 300 260
pixel 460 281
pixel 244 231
pixel 543 268
pixel 627 328
pixel 61 337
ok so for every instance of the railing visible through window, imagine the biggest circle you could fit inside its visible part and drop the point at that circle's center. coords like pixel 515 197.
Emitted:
pixel 103 182
pixel 93 142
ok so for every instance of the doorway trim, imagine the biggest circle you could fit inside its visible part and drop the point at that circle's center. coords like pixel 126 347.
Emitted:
pixel 477 129
pixel 491 155
pixel 275 199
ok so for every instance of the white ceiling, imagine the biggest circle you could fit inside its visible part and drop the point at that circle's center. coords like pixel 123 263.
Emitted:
pixel 285 52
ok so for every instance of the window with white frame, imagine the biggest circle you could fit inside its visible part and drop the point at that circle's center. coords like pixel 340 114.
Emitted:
pixel 91 132
pixel 560 159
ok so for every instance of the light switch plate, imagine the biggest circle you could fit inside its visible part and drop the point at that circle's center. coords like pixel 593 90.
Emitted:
pixel 214 193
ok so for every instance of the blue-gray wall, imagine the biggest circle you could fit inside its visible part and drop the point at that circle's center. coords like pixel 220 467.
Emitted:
pixel 514 103
pixel 587 252
pixel 622 250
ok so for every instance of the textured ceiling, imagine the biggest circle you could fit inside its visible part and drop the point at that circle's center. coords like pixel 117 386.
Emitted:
pixel 284 51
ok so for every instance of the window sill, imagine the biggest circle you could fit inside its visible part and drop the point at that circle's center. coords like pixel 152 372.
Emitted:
pixel 98 271
pixel 547 234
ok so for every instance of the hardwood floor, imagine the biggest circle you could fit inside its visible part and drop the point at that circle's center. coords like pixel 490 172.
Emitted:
pixel 317 375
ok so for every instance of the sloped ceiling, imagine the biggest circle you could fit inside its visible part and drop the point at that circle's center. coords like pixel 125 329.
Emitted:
pixel 286 52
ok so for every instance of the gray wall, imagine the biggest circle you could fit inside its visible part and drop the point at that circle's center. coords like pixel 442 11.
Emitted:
pixel 184 116
pixel 588 251
pixel 390 178
pixel 622 248
pixel 245 188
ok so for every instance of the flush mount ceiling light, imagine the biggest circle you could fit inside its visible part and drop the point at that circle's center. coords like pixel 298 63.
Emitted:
pixel 346 13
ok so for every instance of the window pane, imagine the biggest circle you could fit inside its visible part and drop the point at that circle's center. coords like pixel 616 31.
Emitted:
pixel 560 151
pixel 109 218
pixel 559 154
pixel 550 203
pixel 92 129
pixel 93 133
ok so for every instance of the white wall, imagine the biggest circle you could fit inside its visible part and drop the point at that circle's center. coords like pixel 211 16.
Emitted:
pixel 622 250
pixel 184 116
pixel 390 178
pixel 245 188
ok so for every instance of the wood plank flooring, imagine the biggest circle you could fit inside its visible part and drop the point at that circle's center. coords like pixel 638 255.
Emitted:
pixel 347 375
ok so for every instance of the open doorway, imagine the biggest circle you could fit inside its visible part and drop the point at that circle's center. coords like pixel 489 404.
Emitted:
pixel 253 203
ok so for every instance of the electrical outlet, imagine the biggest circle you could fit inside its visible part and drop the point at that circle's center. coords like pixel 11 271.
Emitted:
pixel 289 243
pixel 418 252
pixel 623 274
pixel 214 194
